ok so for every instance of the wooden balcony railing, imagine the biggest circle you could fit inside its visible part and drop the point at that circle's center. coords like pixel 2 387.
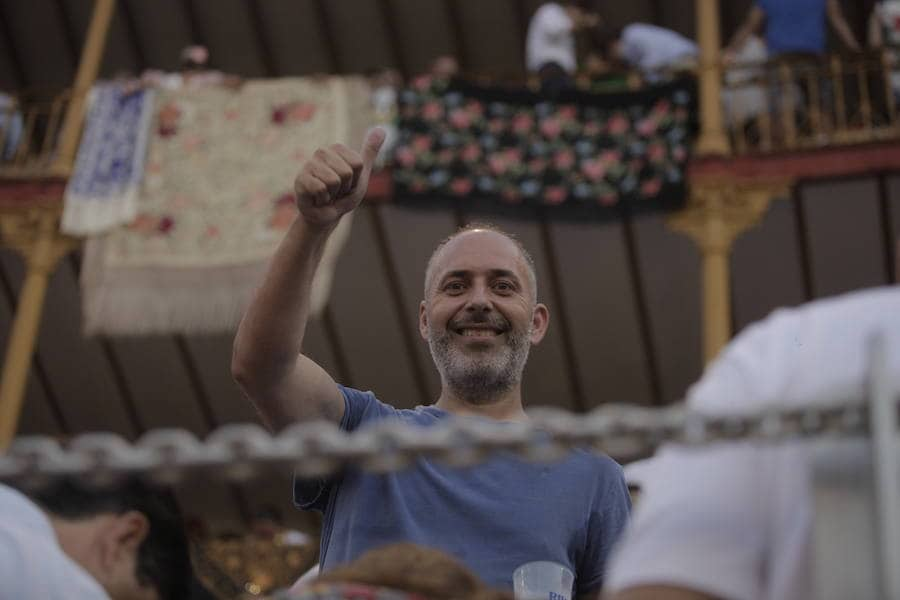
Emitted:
pixel 804 103
pixel 30 128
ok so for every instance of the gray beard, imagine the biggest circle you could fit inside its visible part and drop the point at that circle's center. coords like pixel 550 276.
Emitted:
pixel 479 378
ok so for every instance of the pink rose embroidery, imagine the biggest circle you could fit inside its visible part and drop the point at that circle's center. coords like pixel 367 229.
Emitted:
pixel 461 186
pixel 555 194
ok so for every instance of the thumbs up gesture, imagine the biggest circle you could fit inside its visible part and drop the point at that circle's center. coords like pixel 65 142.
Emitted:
pixel 334 181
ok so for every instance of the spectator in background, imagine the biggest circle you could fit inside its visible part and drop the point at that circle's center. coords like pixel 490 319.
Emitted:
pixel 793 27
pixel 550 49
pixel 444 67
pixel 127 543
pixel 10 126
pixel 884 33
pixel 651 50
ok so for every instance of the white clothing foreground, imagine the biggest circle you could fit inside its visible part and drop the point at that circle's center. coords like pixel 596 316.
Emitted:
pixel 734 520
pixel 32 564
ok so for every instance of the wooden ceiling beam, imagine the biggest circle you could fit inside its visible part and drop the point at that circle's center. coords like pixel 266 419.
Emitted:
pixel 890 238
pixel 803 244
pixel 258 25
pixel 395 40
pixel 457 37
pixel 69 33
pixel 40 371
pixel 131 26
pixel 579 399
pixel 193 22
pixel 328 37
pixel 645 325
pixel 402 310
pixel 522 19
pixel 11 50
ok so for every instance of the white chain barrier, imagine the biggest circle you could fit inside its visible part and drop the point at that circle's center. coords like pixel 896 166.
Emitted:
pixel 243 452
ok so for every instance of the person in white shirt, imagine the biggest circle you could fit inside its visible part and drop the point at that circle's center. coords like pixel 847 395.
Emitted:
pixel 650 49
pixel 72 543
pixel 550 49
pixel 734 520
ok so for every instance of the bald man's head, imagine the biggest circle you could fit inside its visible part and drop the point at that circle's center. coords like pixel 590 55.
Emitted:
pixel 459 237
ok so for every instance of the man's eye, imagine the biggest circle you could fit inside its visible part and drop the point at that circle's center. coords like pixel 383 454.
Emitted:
pixel 504 286
pixel 454 286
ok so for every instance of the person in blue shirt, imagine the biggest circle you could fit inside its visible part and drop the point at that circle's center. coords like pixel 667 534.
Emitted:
pixel 479 316
pixel 794 26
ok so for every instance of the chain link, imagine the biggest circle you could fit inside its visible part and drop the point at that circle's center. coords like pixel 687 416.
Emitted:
pixel 245 451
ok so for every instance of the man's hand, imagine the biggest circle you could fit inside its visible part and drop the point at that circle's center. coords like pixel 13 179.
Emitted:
pixel 334 181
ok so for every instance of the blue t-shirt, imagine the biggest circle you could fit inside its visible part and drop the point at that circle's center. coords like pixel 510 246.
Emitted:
pixel 794 25
pixel 493 517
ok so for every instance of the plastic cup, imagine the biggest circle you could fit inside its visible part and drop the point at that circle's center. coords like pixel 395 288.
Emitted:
pixel 543 580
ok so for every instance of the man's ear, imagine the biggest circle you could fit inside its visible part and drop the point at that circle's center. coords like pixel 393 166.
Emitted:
pixel 540 320
pixel 123 536
pixel 423 321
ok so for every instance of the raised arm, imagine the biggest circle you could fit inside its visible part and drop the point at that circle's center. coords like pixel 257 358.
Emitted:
pixel 267 363
pixel 841 27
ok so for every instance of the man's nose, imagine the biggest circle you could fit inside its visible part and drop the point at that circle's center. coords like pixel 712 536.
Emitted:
pixel 479 299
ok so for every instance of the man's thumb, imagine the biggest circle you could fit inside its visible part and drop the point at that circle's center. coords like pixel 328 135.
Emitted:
pixel 371 146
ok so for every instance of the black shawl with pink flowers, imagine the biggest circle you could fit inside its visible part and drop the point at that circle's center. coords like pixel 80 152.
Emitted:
pixel 580 154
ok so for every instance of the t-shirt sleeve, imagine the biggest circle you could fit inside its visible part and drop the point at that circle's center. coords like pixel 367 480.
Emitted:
pixel 607 521
pixel 359 408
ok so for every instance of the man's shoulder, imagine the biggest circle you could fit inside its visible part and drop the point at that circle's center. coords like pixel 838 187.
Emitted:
pixel 364 407
pixel 590 466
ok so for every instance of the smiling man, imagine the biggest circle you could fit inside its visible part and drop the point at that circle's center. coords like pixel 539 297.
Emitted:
pixel 480 317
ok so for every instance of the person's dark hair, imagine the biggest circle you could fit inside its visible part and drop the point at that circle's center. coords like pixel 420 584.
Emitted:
pixel 163 559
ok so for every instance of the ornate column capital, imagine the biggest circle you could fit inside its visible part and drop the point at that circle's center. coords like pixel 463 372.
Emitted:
pixel 34 233
pixel 719 210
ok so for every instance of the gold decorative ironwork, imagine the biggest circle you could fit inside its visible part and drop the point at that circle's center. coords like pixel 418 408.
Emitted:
pixel 254 565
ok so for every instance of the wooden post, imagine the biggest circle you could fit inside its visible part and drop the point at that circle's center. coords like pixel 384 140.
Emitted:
pixel 34 234
pixel 88 67
pixel 713 139
pixel 718 212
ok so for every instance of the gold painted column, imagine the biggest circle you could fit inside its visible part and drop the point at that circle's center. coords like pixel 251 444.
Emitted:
pixel 718 211
pixel 713 139
pixel 35 235
pixel 88 67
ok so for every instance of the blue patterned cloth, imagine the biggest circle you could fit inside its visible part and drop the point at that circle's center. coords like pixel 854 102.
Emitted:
pixel 102 192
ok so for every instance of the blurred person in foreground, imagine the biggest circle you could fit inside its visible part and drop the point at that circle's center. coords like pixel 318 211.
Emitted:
pixel 422 572
pixel 734 520
pixel 480 316
pixel 72 542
